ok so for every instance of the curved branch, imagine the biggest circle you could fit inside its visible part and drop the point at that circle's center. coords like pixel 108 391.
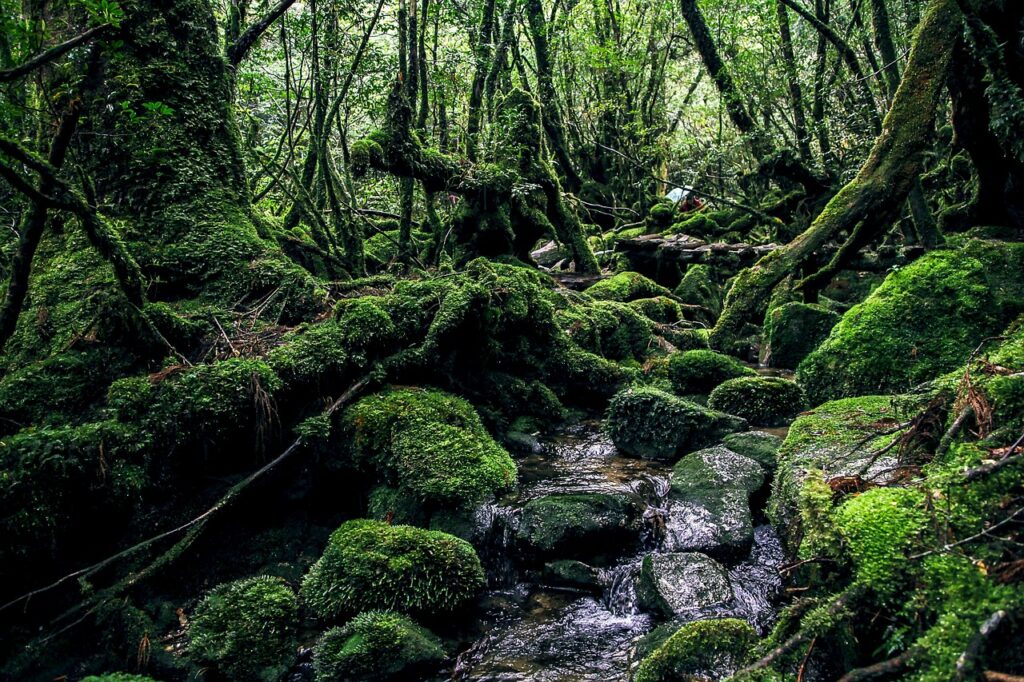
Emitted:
pixel 241 47
pixel 54 53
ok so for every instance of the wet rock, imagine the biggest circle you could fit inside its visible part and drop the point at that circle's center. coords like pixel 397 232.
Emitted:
pixel 701 472
pixel 572 574
pixel 759 446
pixel 549 254
pixel 677 585
pixel 653 424
pixel 709 506
pixel 716 521
pixel 580 525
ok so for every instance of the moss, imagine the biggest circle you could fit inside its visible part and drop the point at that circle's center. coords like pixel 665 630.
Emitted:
pixel 578 524
pixel 372 565
pixel 757 445
pixel 66 482
pixel 699 371
pixel 660 215
pixel 793 330
pixel 879 526
pixel 698 287
pixel 647 422
pixel 826 438
pixel 767 401
pixel 625 287
pixel 205 407
pixel 376 646
pixel 925 319
pixel 246 628
pixel 429 444
pixel 701 225
pixel 659 309
pixel 613 330
pixel 700 650
pixel 117 677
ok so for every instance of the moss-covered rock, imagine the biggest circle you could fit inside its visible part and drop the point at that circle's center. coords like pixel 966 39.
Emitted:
pixel 649 423
pixel 428 444
pixel 793 330
pixel 579 525
pixel 626 286
pixel 698 287
pixel 706 649
pixel 765 401
pixel 714 468
pixel 757 445
pixel 700 371
pixel 376 646
pixel 661 214
pixel 246 628
pixel 659 309
pixel 572 574
pixel 371 565
pixel 617 331
pixel 835 439
pixel 681 584
pixel 709 502
pixel 924 320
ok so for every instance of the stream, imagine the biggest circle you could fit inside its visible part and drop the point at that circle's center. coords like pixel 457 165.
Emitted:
pixel 534 629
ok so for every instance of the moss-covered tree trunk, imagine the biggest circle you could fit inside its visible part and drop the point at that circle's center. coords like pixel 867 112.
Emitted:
pixel 880 187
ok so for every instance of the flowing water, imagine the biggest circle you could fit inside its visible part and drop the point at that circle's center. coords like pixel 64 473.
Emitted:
pixel 531 631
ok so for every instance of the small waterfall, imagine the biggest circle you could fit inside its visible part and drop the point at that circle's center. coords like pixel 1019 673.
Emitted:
pixel 494 534
pixel 620 598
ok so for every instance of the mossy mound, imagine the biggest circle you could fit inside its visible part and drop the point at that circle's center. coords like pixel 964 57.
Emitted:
pixel 661 214
pixel 246 628
pixel 626 286
pixel 650 423
pixel 371 565
pixel 765 401
pixel 924 320
pixel 793 330
pixel 617 331
pixel 429 444
pixel 659 309
pixel 705 649
pixel 700 371
pixel 376 646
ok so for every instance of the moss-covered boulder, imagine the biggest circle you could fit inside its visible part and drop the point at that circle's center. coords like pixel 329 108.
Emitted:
pixel 759 446
pixel 700 371
pixel 681 584
pixel 371 565
pixel 714 468
pixel 706 649
pixel 429 445
pixel 579 525
pixel 765 401
pixel 924 320
pixel 698 287
pixel 246 629
pixel 659 309
pixel 626 286
pixel 376 646
pixel 653 424
pixel 613 330
pixel 793 330
pixel 833 440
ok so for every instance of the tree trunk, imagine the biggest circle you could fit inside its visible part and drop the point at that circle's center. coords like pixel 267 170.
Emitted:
pixel 880 187
pixel 793 82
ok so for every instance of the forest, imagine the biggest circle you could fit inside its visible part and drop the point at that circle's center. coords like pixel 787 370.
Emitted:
pixel 511 340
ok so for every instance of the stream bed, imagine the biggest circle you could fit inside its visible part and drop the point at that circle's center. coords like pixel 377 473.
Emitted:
pixel 532 629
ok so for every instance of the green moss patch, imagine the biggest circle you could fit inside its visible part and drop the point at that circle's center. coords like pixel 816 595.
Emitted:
pixel 376 646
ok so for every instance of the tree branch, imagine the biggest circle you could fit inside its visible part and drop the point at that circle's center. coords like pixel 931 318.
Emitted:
pixel 241 47
pixel 55 52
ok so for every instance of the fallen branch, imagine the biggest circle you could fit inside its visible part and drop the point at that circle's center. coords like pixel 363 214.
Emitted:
pixel 991 467
pixel 892 666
